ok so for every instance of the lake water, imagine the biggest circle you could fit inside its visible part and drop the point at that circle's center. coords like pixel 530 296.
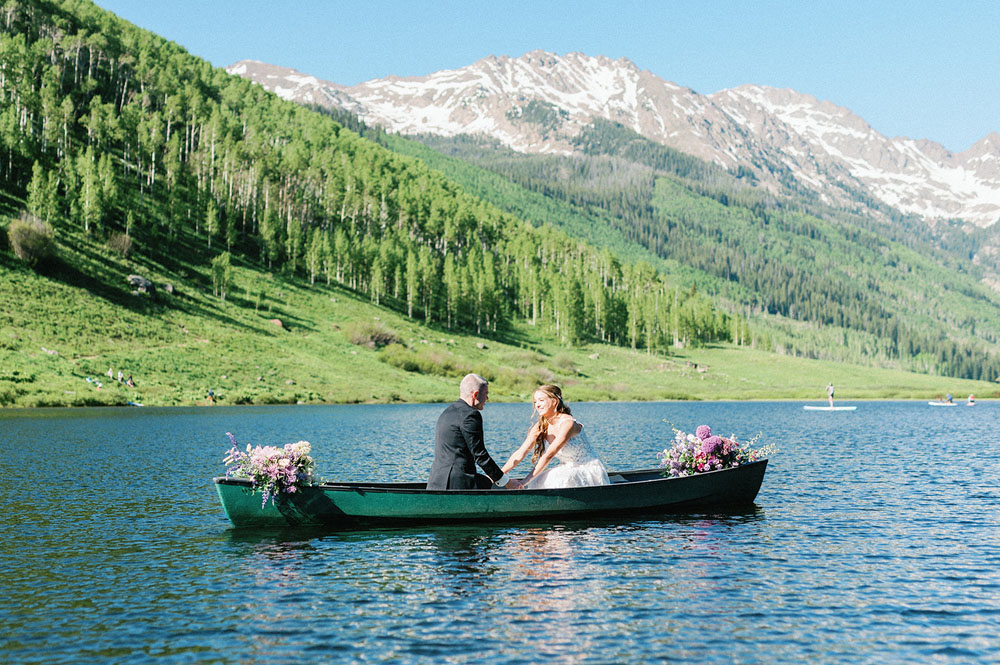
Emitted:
pixel 874 539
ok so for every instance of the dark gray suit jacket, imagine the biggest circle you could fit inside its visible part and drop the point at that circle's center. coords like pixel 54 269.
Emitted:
pixel 458 448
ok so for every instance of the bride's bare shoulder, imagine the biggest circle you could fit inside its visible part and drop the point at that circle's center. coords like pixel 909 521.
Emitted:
pixel 564 420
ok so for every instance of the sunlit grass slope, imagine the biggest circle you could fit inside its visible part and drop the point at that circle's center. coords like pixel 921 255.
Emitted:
pixel 77 317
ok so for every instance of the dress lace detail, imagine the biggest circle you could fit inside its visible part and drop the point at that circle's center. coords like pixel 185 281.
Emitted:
pixel 579 466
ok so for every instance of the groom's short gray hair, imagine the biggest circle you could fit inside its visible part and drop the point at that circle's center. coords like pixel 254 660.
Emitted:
pixel 472 383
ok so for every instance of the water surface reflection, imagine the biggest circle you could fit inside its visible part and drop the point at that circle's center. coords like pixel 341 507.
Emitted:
pixel 874 540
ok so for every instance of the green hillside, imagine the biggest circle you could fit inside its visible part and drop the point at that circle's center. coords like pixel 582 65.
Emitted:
pixel 812 281
pixel 134 142
pixel 60 329
pixel 167 220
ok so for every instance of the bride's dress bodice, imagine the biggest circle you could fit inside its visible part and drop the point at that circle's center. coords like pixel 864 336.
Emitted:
pixel 577 450
pixel 579 466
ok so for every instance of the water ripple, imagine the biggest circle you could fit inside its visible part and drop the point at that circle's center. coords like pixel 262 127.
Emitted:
pixel 874 540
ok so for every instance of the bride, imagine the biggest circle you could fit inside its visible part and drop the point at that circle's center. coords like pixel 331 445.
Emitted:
pixel 557 434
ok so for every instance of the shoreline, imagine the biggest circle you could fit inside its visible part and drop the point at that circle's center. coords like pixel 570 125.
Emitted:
pixel 720 400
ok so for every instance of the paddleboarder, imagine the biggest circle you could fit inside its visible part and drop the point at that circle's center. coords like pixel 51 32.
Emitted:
pixel 829 393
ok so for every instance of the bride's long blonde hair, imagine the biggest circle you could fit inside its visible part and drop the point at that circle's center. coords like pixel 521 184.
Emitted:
pixel 543 423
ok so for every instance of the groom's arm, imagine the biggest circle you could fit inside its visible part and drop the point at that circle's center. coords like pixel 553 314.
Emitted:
pixel 472 431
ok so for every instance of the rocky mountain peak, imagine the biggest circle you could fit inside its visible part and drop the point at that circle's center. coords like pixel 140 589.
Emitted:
pixel 540 101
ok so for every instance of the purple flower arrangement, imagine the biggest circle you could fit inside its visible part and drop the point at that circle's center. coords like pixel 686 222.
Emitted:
pixel 272 469
pixel 702 451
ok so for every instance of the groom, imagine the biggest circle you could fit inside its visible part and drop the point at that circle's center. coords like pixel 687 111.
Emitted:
pixel 459 446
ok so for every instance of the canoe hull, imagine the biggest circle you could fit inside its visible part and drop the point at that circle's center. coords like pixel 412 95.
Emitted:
pixel 354 505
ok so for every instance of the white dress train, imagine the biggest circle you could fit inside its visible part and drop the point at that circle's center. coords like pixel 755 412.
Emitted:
pixel 578 466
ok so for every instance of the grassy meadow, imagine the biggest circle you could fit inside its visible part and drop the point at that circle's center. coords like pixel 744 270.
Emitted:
pixel 278 341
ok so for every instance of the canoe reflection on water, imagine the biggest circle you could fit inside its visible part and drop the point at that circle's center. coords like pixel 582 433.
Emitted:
pixel 359 505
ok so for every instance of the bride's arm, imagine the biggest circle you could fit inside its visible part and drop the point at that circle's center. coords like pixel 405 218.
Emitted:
pixel 521 452
pixel 563 431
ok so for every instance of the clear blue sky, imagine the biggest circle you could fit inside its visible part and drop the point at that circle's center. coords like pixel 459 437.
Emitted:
pixel 908 67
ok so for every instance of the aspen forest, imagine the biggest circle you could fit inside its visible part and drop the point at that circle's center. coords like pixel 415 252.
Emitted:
pixel 110 131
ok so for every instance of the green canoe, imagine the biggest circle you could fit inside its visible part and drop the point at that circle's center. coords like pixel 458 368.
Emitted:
pixel 353 505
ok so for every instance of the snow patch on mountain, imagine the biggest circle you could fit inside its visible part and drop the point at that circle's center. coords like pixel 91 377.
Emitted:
pixel 540 101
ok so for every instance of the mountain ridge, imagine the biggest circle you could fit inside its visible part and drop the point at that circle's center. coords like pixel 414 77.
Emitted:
pixel 538 102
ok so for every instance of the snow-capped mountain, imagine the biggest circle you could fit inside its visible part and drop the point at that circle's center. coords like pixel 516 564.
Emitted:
pixel 540 101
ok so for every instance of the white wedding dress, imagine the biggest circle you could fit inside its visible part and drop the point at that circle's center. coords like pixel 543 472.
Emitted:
pixel 578 466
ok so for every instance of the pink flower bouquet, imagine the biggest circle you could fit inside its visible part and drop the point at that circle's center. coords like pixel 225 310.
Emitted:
pixel 271 469
pixel 702 451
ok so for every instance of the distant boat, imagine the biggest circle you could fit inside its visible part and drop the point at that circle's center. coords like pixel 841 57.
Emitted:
pixel 939 403
pixel 829 408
